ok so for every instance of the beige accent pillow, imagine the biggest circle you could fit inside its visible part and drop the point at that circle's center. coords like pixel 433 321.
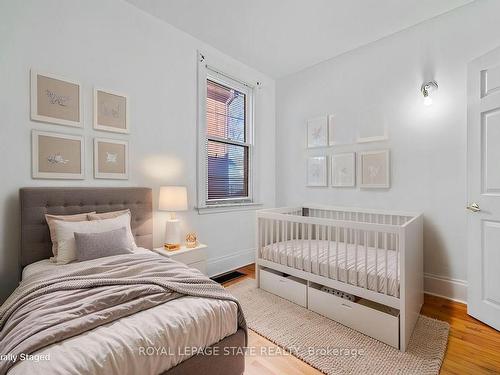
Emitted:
pixel 52 229
pixel 65 232
pixel 107 215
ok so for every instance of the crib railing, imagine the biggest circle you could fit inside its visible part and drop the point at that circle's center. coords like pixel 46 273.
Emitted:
pixel 305 234
pixel 365 216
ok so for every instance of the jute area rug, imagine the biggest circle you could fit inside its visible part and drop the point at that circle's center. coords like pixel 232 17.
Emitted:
pixel 333 348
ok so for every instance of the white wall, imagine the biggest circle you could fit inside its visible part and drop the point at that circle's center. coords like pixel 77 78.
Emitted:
pixel 428 144
pixel 111 44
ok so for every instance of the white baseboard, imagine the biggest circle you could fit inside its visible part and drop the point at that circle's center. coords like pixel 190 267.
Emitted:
pixel 226 263
pixel 446 287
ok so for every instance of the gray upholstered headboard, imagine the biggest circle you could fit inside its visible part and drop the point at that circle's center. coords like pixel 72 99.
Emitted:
pixel 38 201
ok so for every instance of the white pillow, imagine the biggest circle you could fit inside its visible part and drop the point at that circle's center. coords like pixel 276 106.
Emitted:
pixel 65 234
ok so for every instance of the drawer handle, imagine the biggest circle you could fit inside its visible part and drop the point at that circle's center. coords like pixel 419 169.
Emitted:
pixel 346 305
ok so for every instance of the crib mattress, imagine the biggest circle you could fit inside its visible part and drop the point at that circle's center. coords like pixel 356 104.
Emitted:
pixel 314 258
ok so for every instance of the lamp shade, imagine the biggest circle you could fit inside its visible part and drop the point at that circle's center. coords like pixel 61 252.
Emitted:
pixel 173 198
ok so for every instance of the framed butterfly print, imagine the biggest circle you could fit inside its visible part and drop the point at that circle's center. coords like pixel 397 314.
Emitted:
pixel 56 100
pixel 57 156
pixel 374 171
pixel 110 159
pixel 317 132
pixel 111 111
pixel 317 171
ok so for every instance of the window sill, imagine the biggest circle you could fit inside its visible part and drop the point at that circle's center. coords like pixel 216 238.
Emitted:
pixel 229 207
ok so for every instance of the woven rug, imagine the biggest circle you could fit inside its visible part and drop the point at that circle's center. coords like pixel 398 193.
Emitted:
pixel 333 348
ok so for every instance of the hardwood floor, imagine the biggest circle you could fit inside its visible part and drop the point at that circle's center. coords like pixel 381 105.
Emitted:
pixel 473 347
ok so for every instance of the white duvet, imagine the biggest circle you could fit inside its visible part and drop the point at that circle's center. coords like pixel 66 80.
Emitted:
pixel 149 342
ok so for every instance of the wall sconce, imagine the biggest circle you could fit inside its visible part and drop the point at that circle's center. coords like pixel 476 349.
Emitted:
pixel 427 89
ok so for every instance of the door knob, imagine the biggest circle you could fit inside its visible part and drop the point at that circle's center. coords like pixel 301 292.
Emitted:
pixel 474 207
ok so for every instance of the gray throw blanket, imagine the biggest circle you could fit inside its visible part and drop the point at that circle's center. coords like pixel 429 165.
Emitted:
pixel 52 306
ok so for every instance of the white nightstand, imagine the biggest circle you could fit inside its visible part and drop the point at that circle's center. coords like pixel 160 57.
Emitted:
pixel 195 257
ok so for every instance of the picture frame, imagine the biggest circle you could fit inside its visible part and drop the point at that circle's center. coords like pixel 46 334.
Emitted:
pixel 343 169
pixel 372 126
pixel 111 159
pixel 57 156
pixel 374 169
pixel 111 111
pixel 317 171
pixel 55 99
pixel 317 132
pixel 341 130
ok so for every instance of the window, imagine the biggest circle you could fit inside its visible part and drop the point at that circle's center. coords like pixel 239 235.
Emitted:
pixel 226 141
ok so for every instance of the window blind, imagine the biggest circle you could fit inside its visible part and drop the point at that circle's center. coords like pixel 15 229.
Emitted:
pixel 227 151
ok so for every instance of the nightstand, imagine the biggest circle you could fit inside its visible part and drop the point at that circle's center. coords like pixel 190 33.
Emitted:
pixel 195 257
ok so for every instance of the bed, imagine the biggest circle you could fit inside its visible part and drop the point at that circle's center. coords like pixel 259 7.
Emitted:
pixel 179 325
pixel 313 254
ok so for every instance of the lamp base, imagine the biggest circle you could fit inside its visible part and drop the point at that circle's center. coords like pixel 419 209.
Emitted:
pixel 172 235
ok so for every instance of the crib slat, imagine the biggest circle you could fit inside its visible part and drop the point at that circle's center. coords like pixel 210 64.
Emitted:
pixel 387 238
pixel 260 240
pixel 302 235
pixel 396 293
pixel 356 240
pixel 366 260
pixel 272 234
pixel 278 244
pixel 328 239
pixel 298 241
pixel 262 234
pixel 309 235
pixel 317 248
pixel 351 233
pixel 280 240
pixel 376 260
pixel 297 225
pixel 385 253
pixel 272 222
pixel 285 223
pixel 265 232
pixel 337 253
pixel 345 260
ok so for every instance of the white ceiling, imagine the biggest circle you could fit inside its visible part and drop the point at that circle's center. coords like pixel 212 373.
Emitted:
pixel 279 37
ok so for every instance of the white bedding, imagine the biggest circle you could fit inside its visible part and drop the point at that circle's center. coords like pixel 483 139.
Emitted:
pixel 47 264
pixel 277 252
pixel 115 348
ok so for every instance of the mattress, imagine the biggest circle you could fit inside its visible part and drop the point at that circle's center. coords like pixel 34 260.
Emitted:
pixel 316 261
pixel 149 342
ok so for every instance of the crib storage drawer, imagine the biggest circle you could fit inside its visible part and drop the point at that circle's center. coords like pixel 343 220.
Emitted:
pixel 290 288
pixel 374 323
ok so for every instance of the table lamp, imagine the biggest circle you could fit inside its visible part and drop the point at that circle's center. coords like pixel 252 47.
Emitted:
pixel 173 199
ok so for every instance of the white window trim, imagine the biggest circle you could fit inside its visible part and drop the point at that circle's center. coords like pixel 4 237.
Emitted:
pixel 206 71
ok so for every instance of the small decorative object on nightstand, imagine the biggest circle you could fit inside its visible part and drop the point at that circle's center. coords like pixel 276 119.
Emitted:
pixel 191 240
pixel 172 199
pixel 195 257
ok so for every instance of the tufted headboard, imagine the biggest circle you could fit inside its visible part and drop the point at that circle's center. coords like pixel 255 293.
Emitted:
pixel 38 201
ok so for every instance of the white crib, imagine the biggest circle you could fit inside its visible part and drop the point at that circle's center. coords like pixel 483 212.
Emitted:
pixel 374 255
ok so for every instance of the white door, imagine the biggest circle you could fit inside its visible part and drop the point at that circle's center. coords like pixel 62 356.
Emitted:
pixel 483 190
